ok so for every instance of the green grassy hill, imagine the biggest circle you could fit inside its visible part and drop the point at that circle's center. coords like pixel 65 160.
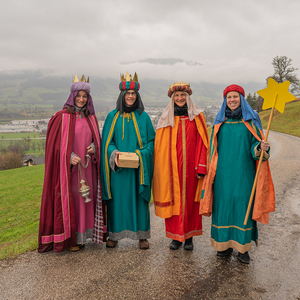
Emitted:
pixel 288 122
pixel 20 200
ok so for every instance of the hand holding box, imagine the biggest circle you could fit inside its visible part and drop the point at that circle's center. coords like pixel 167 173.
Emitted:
pixel 128 160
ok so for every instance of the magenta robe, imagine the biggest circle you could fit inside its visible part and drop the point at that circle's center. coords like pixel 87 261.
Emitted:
pixel 84 212
pixel 57 229
pixel 192 154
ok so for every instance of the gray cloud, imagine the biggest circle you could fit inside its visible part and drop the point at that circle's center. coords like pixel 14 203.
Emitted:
pixel 164 61
pixel 235 41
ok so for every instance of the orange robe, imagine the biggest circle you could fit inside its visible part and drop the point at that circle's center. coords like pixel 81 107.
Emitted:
pixel 180 153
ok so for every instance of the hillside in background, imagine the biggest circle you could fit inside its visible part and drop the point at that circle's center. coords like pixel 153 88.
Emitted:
pixel 32 95
pixel 288 122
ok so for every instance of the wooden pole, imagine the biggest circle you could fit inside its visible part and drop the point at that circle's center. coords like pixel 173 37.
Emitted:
pixel 259 163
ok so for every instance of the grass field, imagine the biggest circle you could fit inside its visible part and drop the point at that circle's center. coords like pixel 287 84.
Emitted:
pixel 18 135
pixel 36 145
pixel 38 105
pixel 32 149
pixel 288 122
pixel 20 199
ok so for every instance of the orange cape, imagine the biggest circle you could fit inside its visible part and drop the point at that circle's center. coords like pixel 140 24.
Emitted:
pixel 166 186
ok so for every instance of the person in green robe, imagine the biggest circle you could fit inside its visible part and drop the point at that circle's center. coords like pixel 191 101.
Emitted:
pixel 235 146
pixel 127 191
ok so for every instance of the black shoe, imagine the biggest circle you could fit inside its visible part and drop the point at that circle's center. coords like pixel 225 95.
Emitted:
pixel 175 245
pixel 244 257
pixel 225 253
pixel 188 245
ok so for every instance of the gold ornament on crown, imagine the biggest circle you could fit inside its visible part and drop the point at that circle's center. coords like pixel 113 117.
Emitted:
pixel 128 77
pixel 82 79
pixel 179 84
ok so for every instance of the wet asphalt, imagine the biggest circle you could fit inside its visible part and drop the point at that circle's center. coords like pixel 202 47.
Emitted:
pixel 128 272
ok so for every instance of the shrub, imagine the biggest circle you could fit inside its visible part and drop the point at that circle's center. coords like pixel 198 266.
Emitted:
pixel 11 160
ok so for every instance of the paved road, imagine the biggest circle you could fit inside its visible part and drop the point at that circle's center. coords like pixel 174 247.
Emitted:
pixel 127 272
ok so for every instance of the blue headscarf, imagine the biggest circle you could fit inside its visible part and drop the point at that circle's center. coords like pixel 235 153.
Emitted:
pixel 247 112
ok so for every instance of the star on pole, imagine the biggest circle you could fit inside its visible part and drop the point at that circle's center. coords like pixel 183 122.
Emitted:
pixel 276 95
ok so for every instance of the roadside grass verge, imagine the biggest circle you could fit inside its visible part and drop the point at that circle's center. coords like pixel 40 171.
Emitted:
pixel 288 122
pixel 20 198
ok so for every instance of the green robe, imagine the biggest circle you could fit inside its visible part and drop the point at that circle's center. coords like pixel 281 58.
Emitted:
pixel 127 191
pixel 232 187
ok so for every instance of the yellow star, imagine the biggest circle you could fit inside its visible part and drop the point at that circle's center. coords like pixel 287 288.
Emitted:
pixel 276 95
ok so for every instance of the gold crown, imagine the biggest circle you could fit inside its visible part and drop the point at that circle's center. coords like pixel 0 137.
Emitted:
pixel 82 79
pixel 179 84
pixel 127 77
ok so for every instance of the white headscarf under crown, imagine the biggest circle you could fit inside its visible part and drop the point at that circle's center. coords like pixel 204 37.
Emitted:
pixel 167 117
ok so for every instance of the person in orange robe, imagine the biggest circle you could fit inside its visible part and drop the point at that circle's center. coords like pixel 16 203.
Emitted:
pixel 180 159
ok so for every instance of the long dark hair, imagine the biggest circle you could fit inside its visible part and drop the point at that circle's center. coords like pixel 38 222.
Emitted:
pixel 72 111
pixel 120 105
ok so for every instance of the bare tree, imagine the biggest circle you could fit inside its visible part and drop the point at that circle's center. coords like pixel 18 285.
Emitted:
pixel 3 150
pixel 33 146
pixel 27 140
pixel 284 71
pixel 38 144
pixel 16 148
pixel 43 144
pixel 10 160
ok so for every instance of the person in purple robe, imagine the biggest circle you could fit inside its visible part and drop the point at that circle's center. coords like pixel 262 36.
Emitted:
pixel 71 208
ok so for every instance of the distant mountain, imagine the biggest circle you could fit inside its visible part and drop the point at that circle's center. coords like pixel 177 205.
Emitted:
pixel 35 88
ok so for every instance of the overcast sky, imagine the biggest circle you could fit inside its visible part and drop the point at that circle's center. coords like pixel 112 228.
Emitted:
pixel 222 41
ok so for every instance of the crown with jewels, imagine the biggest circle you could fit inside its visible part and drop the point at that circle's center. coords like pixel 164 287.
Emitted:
pixel 183 86
pixel 129 83
pixel 82 84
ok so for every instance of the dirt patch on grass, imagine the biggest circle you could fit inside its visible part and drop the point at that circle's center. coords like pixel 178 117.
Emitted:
pixel 4 245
